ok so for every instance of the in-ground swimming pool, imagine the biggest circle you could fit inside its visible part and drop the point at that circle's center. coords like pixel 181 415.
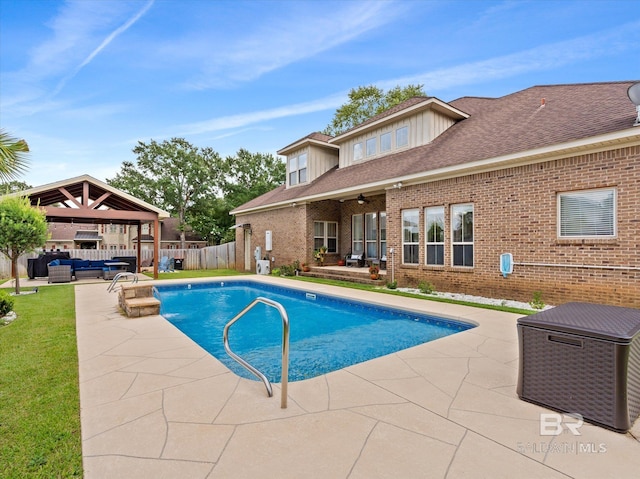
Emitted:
pixel 327 333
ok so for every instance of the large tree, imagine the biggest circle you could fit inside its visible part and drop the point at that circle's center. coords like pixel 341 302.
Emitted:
pixel 23 228
pixel 13 159
pixel 173 175
pixel 243 177
pixel 248 175
pixel 13 187
pixel 366 102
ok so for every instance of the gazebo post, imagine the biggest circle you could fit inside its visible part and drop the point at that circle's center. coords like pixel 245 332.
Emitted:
pixel 156 247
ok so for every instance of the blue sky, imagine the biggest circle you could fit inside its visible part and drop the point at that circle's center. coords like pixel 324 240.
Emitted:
pixel 84 81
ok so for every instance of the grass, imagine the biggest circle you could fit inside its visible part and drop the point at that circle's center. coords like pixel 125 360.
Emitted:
pixel 377 289
pixel 39 395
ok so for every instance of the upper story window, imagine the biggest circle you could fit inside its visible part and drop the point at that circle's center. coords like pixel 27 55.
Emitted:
pixel 385 142
pixel 357 151
pixel 298 169
pixel 402 136
pixel 371 146
pixel 589 213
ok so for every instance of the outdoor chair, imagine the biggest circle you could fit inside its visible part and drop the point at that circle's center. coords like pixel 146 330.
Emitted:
pixel 165 265
pixel 59 273
pixel 355 259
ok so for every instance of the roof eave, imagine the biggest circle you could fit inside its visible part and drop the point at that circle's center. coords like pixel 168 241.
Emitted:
pixel 629 137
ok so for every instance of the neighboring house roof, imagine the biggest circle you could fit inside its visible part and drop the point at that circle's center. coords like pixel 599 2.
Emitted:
pixel 169 231
pixel 85 235
pixel 523 127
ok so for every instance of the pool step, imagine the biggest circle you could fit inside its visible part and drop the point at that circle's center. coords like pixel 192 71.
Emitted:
pixel 137 300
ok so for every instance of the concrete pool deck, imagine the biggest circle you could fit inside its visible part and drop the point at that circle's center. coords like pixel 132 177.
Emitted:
pixel 156 405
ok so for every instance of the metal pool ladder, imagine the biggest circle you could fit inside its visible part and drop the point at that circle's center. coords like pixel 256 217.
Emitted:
pixel 285 347
pixel 123 274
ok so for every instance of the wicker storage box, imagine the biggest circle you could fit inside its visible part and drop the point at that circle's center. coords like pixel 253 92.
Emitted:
pixel 583 358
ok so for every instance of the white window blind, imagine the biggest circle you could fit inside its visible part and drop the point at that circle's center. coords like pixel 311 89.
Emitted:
pixel 587 213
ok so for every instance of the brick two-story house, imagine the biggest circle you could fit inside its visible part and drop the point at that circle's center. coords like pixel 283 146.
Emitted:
pixel 550 174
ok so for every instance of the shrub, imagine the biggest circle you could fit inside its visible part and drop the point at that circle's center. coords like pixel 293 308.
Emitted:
pixel 392 284
pixel 426 287
pixel 6 303
pixel 536 302
pixel 275 271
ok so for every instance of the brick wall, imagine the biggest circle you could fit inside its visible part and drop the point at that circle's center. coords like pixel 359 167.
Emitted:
pixel 515 211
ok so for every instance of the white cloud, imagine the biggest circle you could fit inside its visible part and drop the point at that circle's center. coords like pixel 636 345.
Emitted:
pixel 79 32
pixel 279 41
pixel 244 119
pixel 544 57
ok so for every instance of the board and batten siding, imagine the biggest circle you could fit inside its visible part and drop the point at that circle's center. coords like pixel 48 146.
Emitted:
pixel 319 161
pixel 424 127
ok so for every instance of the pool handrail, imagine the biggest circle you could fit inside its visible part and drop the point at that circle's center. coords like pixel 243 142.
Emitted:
pixel 285 347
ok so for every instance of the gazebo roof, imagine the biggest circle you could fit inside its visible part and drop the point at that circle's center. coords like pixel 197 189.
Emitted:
pixel 84 199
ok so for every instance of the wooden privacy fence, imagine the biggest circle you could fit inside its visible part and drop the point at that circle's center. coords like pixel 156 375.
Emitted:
pixel 212 257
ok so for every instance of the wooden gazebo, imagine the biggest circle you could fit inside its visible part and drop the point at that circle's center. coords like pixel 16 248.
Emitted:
pixel 86 200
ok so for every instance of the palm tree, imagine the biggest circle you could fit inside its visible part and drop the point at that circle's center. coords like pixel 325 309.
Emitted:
pixel 13 160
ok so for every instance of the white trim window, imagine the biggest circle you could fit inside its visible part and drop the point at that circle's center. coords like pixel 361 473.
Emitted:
pixel 298 169
pixel 587 214
pixel 434 234
pixel 371 146
pixel 402 137
pixel 410 237
pixel 325 233
pixel 385 142
pixel 462 235
pixel 383 235
pixel 371 234
pixel 357 151
pixel 357 234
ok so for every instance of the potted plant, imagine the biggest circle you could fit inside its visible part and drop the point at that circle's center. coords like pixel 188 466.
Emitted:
pixel 341 262
pixel 305 267
pixel 374 271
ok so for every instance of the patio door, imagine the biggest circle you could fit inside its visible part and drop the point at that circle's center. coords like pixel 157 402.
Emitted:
pixel 369 234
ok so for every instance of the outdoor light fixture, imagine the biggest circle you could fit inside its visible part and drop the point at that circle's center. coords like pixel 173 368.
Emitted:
pixel 634 95
pixel 361 199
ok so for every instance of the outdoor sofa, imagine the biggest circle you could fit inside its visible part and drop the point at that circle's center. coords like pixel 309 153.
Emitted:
pixel 63 269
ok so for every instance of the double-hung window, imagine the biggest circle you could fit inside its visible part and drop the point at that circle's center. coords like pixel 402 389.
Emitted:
pixel 298 169
pixel 357 232
pixel 434 225
pixel 325 233
pixel 462 234
pixel 371 234
pixel 410 236
pixel 587 214
pixel 383 235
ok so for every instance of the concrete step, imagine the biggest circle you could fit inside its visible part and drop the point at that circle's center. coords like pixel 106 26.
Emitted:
pixel 361 277
pixel 137 307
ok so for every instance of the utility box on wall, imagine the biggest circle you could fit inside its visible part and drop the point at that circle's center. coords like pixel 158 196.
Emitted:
pixel 268 240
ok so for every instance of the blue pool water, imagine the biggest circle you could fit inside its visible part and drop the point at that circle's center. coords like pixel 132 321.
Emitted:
pixel 326 333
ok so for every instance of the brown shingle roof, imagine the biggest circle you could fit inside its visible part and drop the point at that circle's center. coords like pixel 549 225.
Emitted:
pixel 509 125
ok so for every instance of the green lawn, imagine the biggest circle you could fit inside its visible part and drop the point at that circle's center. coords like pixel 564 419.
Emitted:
pixel 39 401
